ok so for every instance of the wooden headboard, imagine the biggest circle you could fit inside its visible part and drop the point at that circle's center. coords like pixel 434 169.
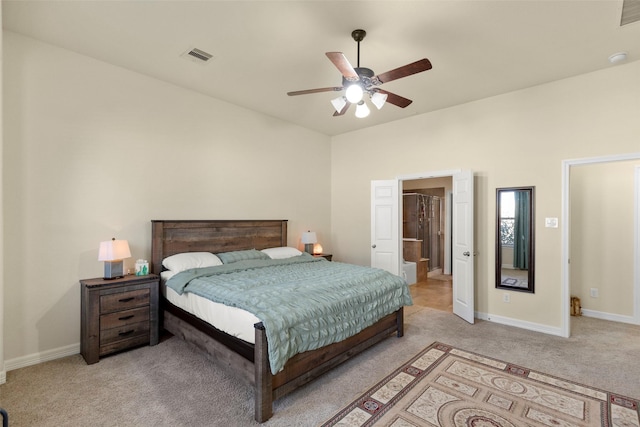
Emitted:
pixel 169 237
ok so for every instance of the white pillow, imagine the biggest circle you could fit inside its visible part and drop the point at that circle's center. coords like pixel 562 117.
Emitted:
pixel 187 260
pixel 282 252
pixel 166 275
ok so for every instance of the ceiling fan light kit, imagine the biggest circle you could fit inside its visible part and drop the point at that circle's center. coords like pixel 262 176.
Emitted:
pixel 339 103
pixel 360 80
pixel 354 93
pixel 378 99
pixel 362 110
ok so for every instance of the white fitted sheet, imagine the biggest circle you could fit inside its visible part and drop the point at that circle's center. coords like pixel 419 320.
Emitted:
pixel 234 321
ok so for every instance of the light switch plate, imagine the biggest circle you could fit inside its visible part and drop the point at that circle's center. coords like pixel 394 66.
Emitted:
pixel 551 222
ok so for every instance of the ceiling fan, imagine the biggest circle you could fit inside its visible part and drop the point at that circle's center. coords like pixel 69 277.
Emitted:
pixel 359 81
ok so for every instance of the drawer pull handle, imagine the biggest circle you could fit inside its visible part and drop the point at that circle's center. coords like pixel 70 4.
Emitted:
pixel 126 299
pixel 126 317
pixel 129 332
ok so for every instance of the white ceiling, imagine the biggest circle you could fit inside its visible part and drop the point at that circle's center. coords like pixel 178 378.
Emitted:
pixel 264 49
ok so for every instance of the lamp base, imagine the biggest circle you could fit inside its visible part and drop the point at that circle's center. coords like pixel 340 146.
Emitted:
pixel 113 270
pixel 308 248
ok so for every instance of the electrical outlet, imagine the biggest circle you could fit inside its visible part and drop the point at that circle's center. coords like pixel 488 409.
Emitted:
pixel 506 298
pixel 594 293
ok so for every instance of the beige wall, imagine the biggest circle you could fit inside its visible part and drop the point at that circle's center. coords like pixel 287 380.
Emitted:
pixel 602 236
pixel 516 139
pixel 93 151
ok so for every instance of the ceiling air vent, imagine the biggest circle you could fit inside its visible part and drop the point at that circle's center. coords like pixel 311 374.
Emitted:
pixel 197 55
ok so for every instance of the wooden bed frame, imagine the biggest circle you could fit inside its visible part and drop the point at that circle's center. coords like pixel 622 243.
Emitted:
pixel 251 360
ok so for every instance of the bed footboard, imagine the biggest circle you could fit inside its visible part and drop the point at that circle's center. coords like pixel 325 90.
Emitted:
pixel 305 367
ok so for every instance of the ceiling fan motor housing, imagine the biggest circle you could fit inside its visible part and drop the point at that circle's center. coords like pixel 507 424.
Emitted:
pixel 365 75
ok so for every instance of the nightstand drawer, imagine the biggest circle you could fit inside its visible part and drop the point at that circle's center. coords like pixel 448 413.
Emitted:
pixel 124 344
pixel 123 318
pixel 126 332
pixel 124 300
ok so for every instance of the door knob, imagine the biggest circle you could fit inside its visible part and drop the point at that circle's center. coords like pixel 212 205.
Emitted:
pixel 467 253
pixel 373 246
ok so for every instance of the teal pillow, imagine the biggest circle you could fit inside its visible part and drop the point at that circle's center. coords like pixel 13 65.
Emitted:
pixel 235 256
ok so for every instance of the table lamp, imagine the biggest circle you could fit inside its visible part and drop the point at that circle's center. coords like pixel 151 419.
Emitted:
pixel 113 252
pixel 309 238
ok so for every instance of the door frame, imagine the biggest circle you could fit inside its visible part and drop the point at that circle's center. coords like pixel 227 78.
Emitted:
pixel 466 309
pixel 565 327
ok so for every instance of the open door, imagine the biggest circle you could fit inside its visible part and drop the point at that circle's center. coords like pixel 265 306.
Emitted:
pixel 463 249
pixel 385 225
pixel 386 238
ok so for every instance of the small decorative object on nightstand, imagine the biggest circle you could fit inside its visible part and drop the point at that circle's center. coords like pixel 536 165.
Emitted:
pixel 118 314
pixel 325 256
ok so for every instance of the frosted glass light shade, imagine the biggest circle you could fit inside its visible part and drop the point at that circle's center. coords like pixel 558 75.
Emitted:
pixel 354 93
pixel 339 103
pixel 362 110
pixel 378 99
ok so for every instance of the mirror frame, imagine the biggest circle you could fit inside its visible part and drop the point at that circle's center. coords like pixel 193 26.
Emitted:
pixel 531 265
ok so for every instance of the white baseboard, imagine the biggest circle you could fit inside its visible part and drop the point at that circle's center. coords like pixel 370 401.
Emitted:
pixel 545 329
pixel 45 356
pixel 3 377
pixel 609 316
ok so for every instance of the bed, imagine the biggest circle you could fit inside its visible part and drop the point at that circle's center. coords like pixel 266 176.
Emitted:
pixel 251 359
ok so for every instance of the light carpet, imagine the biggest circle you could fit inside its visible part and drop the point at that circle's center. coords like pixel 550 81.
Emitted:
pixel 446 386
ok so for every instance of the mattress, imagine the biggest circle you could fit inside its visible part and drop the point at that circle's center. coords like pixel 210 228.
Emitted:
pixel 231 320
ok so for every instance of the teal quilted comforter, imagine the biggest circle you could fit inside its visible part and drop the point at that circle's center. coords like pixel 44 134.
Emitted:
pixel 303 302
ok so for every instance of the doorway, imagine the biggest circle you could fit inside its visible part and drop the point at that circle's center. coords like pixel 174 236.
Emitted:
pixel 568 216
pixel 426 233
pixel 386 231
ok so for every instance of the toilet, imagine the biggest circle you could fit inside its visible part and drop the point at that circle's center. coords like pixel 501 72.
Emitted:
pixel 409 272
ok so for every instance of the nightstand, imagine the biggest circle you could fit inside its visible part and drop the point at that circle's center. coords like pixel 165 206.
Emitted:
pixel 325 256
pixel 118 314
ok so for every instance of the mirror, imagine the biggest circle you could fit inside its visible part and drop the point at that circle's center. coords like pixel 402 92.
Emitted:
pixel 515 238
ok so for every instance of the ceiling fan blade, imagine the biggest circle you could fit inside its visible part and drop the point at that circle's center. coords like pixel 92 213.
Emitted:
pixel 322 89
pixel 344 110
pixel 343 65
pixel 407 70
pixel 394 99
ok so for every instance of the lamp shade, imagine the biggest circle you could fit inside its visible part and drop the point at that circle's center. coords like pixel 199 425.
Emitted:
pixel 113 250
pixel 309 237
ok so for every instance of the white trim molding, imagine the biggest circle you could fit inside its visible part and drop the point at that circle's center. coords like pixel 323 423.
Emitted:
pixel 536 327
pixel 45 356
pixel 609 316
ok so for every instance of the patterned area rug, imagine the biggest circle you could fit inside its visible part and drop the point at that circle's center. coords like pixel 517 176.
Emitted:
pixel 445 386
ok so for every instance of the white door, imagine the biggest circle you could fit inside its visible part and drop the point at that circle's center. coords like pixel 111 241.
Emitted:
pixel 463 249
pixel 385 225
